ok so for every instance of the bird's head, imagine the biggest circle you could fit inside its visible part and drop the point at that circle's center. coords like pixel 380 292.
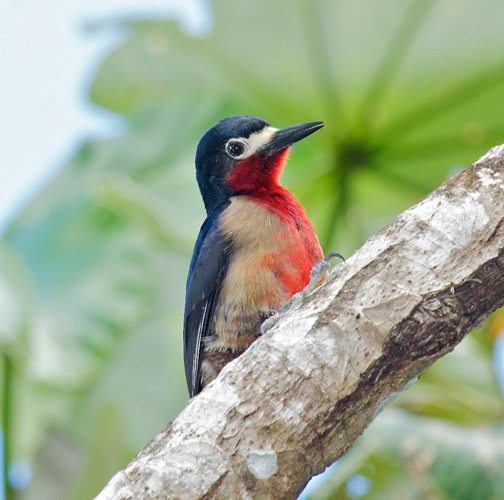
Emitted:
pixel 244 155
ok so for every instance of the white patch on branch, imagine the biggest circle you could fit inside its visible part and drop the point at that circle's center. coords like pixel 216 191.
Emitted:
pixel 262 463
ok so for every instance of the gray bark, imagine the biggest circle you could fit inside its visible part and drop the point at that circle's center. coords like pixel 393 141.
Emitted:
pixel 301 395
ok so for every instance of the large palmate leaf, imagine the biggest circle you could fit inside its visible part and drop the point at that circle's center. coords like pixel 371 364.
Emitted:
pixel 408 90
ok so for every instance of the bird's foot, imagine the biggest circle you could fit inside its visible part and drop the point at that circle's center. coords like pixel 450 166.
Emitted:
pixel 322 269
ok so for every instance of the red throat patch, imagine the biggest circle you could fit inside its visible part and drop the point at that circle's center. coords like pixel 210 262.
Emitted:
pixel 258 173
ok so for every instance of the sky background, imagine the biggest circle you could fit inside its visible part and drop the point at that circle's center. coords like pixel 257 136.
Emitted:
pixel 48 55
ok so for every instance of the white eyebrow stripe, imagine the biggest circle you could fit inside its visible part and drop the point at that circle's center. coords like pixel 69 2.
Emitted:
pixel 259 139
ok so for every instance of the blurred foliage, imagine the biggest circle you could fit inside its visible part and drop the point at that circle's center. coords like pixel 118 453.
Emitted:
pixel 404 456
pixel 92 271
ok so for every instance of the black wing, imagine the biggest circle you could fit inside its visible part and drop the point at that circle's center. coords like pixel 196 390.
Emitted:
pixel 207 270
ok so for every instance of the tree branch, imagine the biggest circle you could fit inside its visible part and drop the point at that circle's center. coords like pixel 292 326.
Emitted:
pixel 299 397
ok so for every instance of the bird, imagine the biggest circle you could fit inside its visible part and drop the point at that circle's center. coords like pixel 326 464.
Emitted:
pixel 255 249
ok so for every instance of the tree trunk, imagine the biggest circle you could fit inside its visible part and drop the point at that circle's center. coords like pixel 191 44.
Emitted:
pixel 300 396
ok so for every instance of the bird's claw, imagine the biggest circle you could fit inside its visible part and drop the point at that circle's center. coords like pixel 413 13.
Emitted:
pixel 334 255
pixel 323 268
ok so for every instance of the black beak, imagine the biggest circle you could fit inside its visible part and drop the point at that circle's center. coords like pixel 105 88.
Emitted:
pixel 284 137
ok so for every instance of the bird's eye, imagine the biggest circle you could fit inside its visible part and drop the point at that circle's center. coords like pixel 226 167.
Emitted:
pixel 235 148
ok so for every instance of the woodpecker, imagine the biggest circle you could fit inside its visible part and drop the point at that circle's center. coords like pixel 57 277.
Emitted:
pixel 254 251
